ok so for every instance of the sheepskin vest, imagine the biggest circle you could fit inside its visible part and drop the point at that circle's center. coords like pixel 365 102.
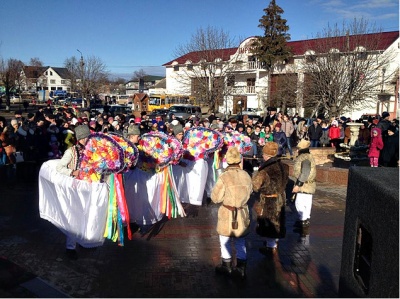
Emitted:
pixel 309 185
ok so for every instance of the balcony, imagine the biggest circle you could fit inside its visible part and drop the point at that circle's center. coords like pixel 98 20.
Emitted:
pixel 248 66
pixel 244 89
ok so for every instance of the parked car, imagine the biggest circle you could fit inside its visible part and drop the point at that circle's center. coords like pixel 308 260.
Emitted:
pixel 120 109
pixel 256 111
pixel 184 111
pixel 162 112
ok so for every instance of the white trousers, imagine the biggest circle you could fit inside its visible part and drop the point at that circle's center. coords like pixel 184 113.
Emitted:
pixel 226 247
pixel 303 205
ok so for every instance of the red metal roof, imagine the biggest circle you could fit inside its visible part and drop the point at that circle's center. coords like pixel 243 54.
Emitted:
pixel 383 41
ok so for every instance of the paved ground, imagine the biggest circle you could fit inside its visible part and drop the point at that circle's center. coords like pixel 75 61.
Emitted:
pixel 175 258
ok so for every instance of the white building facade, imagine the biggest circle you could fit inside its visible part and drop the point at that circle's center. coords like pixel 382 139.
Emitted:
pixel 252 85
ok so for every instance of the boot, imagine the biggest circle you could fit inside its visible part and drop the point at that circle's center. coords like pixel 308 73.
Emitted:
pixel 225 267
pixel 240 270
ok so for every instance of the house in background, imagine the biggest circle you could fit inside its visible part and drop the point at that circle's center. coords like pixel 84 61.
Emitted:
pixel 45 78
pixel 140 102
pixel 142 85
pixel 251 85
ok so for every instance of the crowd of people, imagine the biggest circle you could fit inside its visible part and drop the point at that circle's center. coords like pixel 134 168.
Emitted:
pixel 60 133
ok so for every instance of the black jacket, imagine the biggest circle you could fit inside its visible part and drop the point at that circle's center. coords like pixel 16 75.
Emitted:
pixel 315 132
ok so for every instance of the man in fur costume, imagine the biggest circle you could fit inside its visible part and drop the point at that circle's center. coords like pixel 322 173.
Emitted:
pixel 233 189
pixel 270 181
pixel 304 172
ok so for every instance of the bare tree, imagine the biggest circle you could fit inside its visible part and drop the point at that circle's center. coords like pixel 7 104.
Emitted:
pixel 35 61
pixel 10 75
pixel 345 67
pixel 205 72
pixel 139 74
pixel 87 76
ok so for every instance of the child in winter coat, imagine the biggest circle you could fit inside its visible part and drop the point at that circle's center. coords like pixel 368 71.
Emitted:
pixel 324 139
pixel 375 147
pixel 334 134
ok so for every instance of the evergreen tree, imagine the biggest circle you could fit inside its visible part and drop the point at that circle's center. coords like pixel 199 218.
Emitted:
pixel 272 47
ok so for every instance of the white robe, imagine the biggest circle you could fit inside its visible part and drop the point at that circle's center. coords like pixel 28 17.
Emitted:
pixel 78 208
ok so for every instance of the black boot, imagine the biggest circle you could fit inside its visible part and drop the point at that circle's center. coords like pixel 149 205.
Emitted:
pixel 240 270
pixel 225 267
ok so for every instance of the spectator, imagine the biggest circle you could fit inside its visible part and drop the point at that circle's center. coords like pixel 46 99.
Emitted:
pixel 364 135
pixel 390 151
pixel 375 147
pixel 280 139
pixel 324 140
pixel 314 133
pixel 288 129
pixel 334 134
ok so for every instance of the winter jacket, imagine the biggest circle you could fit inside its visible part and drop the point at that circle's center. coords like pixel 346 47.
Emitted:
pixel 270 181
pixel 280 138
pixel 390 152
pixel 288 128
pixel 324 140
pixel 376 144
pixel 233 189
pixel 314 132
pixel 334 133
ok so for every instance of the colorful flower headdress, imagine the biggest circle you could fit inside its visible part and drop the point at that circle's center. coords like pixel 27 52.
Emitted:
pixel 241 141
pixel 131 153
pixel 199 142
pixel 156 151
pixel 102 155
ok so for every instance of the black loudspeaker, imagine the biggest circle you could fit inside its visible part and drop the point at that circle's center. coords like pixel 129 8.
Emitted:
pixel 370 252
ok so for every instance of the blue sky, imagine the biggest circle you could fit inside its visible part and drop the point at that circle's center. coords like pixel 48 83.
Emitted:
pixel 128 35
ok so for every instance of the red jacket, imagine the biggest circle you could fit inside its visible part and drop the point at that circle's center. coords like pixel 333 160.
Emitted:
pixel 334 132
pixel 376 144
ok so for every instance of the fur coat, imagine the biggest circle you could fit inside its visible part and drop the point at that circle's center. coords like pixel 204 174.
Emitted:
pixel 270 181
pixel 233 189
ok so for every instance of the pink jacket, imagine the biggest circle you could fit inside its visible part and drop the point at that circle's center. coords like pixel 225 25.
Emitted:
pixel 376 144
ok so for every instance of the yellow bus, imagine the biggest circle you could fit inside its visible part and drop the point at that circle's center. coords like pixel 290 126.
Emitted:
pixel 165 101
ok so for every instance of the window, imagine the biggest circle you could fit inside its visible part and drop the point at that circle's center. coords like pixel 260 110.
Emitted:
pixel 63 81
pixel 52 81
pixel 310 56
pixel 176 68
pixel 190 67
pixel 230 81
pixel 51 73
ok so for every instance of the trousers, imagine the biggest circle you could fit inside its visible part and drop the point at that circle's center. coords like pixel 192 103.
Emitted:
pixel 303 205
pixel 226 247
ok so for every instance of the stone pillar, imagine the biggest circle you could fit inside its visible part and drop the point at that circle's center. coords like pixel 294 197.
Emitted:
pixel 354 131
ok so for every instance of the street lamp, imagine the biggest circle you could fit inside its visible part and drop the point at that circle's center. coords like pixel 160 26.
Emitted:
pixel 82 63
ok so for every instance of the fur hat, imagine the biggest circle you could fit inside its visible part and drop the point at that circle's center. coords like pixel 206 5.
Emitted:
pixel 81 132
pixel 177 129
pixel 133 130
pixel 233 156
pixel 303 144
pixel 270 149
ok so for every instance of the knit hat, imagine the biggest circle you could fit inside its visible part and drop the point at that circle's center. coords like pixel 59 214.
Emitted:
pixel 14 122
pixel 233 156
pixel 133 130
pixel 334 122
pixel 385 114
pixel 177 129
pixel 138 120
pixel 81 132
pixel 278 125
pixel 270 149
pixel 30 115
pixel 303 144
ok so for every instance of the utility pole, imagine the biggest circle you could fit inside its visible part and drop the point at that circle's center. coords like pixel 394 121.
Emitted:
pixel 82 63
